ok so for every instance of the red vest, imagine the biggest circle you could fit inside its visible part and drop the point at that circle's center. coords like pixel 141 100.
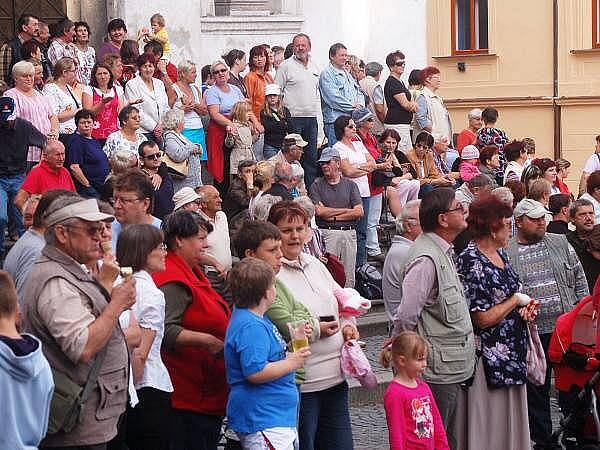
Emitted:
pixel 107 119
pixel 198 378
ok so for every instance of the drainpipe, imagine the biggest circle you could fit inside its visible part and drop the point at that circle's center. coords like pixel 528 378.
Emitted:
pixel 556 108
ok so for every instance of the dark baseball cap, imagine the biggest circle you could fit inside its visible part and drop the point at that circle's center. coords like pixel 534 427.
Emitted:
pixel 7 109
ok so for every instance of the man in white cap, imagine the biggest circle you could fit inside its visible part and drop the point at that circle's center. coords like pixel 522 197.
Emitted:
pixel 77 321
pixel 187 199
pixel 291 152
pixel 468 136
pixel 551 273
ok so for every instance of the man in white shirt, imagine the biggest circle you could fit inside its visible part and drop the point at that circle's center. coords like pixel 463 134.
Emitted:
pixel 298 78
pixel 217 259
pixel 591 165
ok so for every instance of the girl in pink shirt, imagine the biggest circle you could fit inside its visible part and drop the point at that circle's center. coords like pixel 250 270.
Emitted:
pixel 413 418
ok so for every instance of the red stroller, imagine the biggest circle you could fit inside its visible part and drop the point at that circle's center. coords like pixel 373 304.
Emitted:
pixel 575 352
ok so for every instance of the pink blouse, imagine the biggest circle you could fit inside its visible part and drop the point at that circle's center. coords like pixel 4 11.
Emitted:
pixel 37 110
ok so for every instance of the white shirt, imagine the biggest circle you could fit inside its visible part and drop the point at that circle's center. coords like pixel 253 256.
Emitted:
pixel 219 246
pixel 355 156
pixel 155 103
pixel 149 311
pixel 116 141
pixel 592 164
pixel 192 120
pixel 299 87
pixel 89 90
pixel 62 101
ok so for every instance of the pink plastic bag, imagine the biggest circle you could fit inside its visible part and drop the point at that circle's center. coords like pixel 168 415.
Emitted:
pixel 356 365
pixel 350 302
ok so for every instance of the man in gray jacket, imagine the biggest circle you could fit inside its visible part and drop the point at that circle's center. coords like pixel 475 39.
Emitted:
pixel 434 304
pixel 551 273
pixel 75 318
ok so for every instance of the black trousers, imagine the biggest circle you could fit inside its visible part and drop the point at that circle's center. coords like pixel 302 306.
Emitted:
pixel 148 422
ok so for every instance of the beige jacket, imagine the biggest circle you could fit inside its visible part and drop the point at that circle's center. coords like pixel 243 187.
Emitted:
pixel 312 285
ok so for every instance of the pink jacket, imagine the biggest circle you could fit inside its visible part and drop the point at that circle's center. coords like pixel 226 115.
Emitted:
pixel 468 171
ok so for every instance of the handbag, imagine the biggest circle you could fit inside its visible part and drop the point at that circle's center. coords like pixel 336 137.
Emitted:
pixel 69 397
pixel 229 141
pixel 336 268
pixel 177 170
pixel 536 358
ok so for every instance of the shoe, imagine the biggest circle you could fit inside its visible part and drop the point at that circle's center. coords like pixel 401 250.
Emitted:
pixel 379 258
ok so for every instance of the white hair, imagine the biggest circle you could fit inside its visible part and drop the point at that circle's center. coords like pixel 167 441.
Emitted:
pixel 504 194
pixel 171 119
pixel 407 211
pixel 307 205
pixel 185 66
pixel 22 68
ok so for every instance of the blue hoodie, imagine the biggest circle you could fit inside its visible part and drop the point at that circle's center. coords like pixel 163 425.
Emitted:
pixel 26 387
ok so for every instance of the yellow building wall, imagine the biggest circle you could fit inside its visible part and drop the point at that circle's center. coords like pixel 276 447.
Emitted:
pixel 516 76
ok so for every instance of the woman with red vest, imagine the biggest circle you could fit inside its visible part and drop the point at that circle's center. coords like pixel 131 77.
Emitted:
pixel 196 319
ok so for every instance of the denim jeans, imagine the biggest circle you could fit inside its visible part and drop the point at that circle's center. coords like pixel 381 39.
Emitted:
pixel 325 419
pixel 9 185
pixel 330 133
pixel 308 128
pixel 194 431
pixel 269 152
pixel 372 222
pixel 361 234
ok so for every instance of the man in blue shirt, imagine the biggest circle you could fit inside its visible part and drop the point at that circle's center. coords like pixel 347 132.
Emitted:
pixel 340 93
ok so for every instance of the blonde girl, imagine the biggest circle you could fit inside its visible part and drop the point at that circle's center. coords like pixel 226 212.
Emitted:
pixel 412 415
pixel 243 139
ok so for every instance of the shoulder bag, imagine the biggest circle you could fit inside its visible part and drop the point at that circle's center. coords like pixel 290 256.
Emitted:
pixel 69 397
pixel 177 170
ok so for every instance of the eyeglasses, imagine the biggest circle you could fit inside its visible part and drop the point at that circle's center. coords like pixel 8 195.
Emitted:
pixel 91 230
pixel 216 72
pixel 125 201
pixel 460 208
pixel 156 155
pixel 400 63
pixel 351 126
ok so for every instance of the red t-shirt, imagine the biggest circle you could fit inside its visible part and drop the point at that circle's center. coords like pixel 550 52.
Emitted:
pixel 466 137
pixel 42 178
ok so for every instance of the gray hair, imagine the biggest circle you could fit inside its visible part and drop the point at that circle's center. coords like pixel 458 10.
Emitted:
pixel 263 206
pixel 283 172
pixel 58 203
pixel 307 205
pixel 185 66
pixel 218 62
pixel 409 208
pixel 373 69
pixel 539 188
pixel 22 68
pixel 120 160
pixel 171 119
pixel 504 194
pixel 579 203
pixel 438 137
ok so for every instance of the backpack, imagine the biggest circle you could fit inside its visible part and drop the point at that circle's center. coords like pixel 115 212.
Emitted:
pixel 368 282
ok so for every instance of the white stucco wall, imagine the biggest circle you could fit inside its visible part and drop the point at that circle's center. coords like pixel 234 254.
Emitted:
pixel 369 28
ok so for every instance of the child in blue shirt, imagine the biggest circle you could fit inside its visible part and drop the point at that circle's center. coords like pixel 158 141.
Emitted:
pixel 263 399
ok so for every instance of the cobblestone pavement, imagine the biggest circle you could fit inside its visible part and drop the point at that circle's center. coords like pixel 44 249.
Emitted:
pixel 368 427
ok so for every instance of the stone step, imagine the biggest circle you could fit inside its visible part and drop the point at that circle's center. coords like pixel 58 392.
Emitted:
pixel 373 323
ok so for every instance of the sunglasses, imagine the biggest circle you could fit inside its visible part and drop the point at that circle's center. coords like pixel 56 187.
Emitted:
pixel 91 230
pixel 216 72
pixel 156 155
pixel 400 63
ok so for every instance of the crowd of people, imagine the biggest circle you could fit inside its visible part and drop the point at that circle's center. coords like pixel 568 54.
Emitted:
pixel 167 234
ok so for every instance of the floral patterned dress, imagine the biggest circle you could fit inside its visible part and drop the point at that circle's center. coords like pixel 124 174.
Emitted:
pixel 503 347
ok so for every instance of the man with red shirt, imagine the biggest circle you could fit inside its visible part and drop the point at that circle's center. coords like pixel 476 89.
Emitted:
pixel 48 174
pixel 468 136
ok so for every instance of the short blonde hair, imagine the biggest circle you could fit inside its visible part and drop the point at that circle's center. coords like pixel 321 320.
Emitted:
pixel 171 119
pixel 158 18
pixel 184 66
pixel 61 66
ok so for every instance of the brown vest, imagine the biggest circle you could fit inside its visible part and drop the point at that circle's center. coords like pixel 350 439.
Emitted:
pixel 108 400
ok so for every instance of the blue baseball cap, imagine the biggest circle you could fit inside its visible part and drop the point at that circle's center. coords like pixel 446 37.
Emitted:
pixel 7 109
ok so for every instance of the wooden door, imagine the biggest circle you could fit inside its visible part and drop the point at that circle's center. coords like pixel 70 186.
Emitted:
pixel 49 11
